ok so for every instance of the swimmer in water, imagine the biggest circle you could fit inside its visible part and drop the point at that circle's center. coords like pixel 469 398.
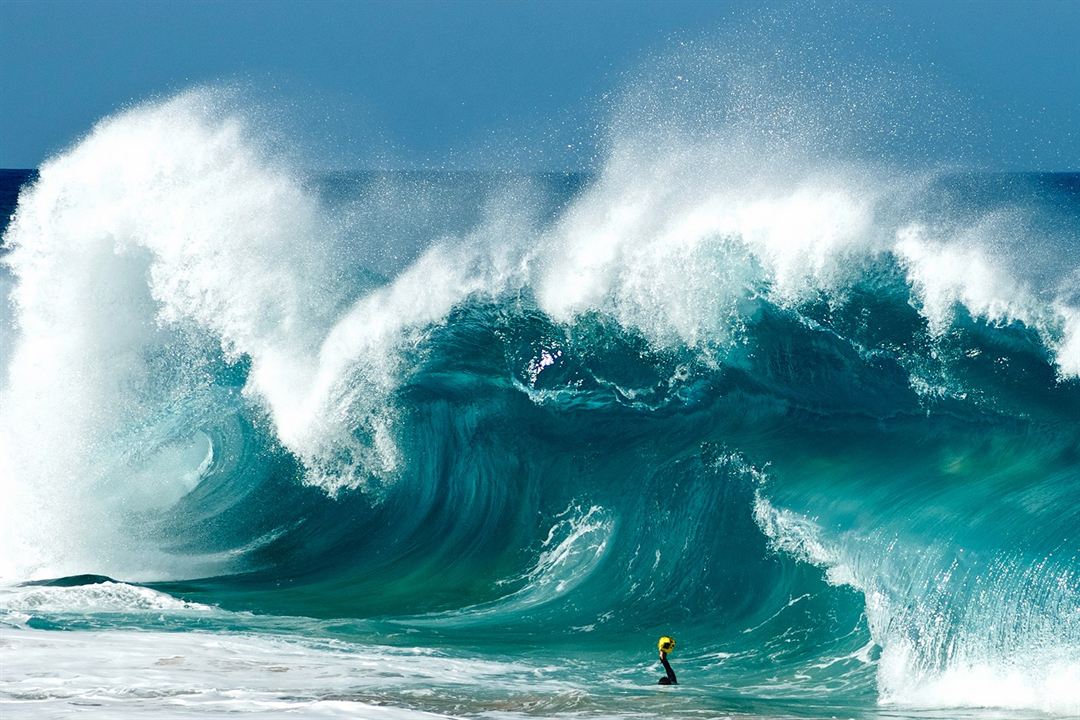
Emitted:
pixel 666 645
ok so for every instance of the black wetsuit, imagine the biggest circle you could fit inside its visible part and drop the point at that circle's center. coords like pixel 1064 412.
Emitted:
pixel 670 679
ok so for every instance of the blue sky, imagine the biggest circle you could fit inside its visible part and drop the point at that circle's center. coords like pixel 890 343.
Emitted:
pixel 438 83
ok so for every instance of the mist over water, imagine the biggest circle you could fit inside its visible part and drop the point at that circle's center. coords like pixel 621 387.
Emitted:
pixel 814 412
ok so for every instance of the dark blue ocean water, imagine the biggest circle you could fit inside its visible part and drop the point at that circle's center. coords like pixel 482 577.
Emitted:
pixel 494 434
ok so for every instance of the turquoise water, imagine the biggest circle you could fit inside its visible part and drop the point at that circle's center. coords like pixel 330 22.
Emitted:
pixel 468 443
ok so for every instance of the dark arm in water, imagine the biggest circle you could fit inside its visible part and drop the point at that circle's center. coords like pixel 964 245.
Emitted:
pixel 670 679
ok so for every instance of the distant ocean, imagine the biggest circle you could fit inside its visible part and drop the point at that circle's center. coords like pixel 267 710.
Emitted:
pixel 465 444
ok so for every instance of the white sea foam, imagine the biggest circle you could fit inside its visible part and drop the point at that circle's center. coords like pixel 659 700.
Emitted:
pixel 1068 348
pixel 1047 680
pixel 143 673
pixel 104 597
pixel 674 240
pixel 961 271
pixel 672 245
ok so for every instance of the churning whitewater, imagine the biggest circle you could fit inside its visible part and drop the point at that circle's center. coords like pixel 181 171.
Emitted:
pixel 461 444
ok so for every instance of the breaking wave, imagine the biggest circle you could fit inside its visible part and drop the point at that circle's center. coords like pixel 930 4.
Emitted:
pixel 819 420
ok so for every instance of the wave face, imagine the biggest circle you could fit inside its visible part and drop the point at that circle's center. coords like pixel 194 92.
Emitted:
pixel 819 421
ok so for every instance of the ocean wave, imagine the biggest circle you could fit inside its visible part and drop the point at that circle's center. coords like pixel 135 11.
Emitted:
pixel 795 408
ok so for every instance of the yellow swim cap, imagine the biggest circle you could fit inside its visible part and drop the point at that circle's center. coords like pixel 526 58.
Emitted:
pixel 666 644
